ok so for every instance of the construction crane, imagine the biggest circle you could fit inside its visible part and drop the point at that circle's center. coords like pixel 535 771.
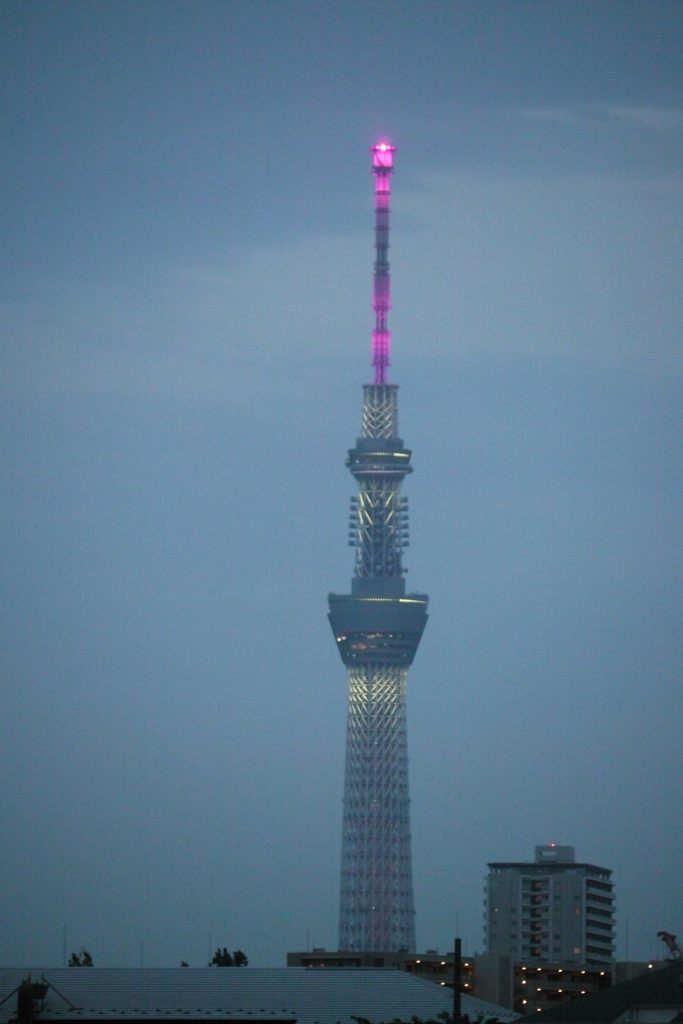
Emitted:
pixel 674 949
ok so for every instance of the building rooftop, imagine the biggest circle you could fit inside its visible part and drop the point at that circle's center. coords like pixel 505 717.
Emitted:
pixel 310 996
pixel 547 867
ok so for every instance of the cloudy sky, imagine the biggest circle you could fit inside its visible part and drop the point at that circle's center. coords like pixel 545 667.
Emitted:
pixel 185 303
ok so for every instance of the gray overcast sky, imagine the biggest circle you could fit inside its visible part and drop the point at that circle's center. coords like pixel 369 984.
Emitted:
pixel 186 253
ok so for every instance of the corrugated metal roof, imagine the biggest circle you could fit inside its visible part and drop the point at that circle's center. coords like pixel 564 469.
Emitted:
pixel 168 1015
pixel 227 1015
pixel 313 996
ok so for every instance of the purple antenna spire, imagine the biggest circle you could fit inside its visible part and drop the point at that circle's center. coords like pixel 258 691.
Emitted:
pixel 382 168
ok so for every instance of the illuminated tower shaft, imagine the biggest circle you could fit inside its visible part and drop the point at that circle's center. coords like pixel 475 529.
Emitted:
pixel 378 628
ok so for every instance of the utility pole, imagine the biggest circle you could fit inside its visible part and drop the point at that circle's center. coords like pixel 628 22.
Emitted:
pixel 457 959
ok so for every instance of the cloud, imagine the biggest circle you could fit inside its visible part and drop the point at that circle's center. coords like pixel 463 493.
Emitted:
pixel 601 115
pixel 190 330
pixel 582 267
pixel 653 118
pixel 569 116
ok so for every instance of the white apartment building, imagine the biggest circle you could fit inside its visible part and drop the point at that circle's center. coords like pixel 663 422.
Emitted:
pixel 550 910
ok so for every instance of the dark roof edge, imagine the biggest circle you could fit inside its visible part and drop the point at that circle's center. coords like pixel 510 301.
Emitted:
pixel 549 864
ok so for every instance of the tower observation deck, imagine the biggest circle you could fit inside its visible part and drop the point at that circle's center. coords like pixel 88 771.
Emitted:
pixel 378 628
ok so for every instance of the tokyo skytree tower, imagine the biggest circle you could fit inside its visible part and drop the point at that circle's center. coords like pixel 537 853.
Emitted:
pixel 378 628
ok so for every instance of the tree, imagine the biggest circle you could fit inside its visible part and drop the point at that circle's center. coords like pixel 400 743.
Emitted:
pixel 222 958
pixel 81 959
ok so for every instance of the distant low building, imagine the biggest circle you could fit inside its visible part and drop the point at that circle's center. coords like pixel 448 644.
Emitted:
pixel 655 997
pixel 525 987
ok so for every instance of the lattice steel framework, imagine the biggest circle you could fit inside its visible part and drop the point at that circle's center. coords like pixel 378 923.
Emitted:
pixel 378 628
pixel 376 908
pixel 380 411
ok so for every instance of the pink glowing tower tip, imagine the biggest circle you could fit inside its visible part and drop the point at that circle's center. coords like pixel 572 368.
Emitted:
pixel 382 168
